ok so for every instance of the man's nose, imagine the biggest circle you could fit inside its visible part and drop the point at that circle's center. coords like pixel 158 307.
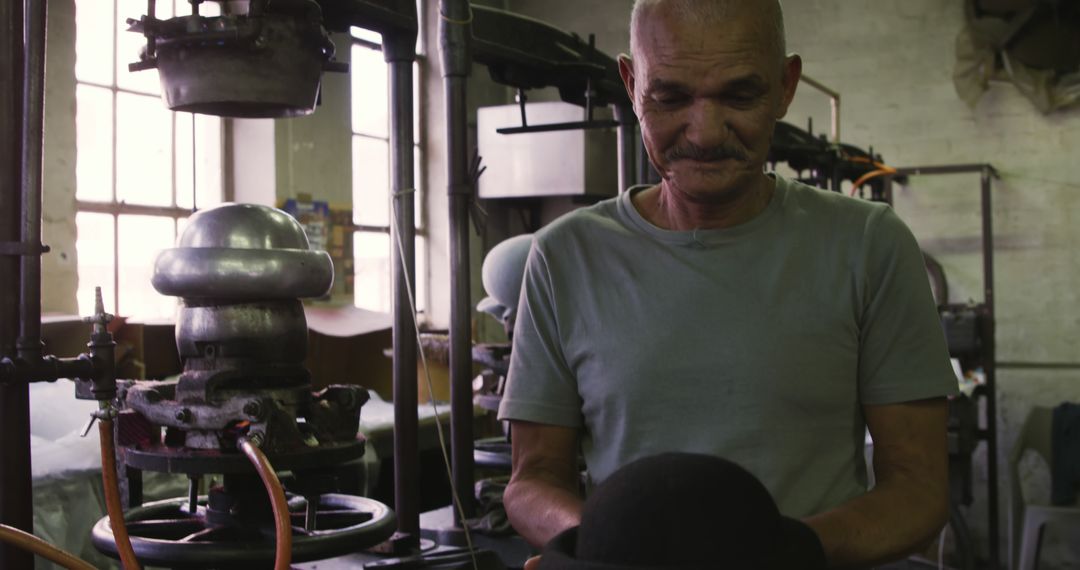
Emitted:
pixel 707 125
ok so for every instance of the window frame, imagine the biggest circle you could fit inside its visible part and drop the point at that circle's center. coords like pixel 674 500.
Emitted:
pixel 121 208
pixel 419 181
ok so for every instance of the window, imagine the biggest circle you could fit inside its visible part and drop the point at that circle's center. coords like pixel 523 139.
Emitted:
pixel 371 176
pixel 141 169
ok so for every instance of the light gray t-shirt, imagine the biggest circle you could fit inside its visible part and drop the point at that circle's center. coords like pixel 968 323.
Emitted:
pixel 759 343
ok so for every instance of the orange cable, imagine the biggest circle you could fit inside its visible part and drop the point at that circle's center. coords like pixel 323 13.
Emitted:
pixel 27 541
pixel 112 497
pixel 871 175
pixel 282 521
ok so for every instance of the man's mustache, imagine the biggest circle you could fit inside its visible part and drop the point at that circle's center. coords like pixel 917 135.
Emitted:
pixel 693 152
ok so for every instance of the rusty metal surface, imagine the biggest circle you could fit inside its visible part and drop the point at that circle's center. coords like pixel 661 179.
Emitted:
pixel 165 459
pixel 264 64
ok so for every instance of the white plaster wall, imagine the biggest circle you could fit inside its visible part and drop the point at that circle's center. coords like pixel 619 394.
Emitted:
pixel 313 154
pixel 59 278
pixel 892 61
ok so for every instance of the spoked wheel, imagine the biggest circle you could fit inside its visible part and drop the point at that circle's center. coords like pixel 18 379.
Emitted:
pixel 166 533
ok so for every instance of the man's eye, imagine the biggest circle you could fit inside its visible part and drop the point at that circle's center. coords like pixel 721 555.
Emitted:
pixel 743 98
pixel 670 99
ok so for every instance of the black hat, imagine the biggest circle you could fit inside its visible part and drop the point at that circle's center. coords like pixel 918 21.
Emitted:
pixel 683 511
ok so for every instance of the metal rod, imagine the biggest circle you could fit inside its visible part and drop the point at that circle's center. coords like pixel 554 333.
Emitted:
pixel 193 493
pixel 29 343
pixel 989 359
pixel 624 114
pixel 1026 365
pixel 946 169
pixel 834 100
pixel 311 513
pixel 456 62
pixel 16 507
pixel 399 53
pixel 115 208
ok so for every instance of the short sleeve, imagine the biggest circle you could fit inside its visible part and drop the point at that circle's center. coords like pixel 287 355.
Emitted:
pixel 902 350
pixel 540 387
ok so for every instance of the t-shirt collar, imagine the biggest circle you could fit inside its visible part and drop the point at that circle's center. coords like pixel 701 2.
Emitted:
pixel 700 238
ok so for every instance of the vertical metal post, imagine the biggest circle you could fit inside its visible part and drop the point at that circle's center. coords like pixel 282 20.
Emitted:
pixel 624 114
pixel 399 52
pixel 29 343
pixel 989 366
pixel 15 483
pixel 455 16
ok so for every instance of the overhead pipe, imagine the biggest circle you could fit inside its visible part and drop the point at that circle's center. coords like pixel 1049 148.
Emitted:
pixel 455 17
pixel 399 51
pixel 15 477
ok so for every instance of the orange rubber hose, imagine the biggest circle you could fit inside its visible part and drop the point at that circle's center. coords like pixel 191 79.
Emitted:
pixel 869 176
pixel 112 497
pixel 27 541
pixel 282 521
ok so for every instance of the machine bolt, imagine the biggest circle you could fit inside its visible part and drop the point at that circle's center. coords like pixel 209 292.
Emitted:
pixel 184 415
pixel 253 409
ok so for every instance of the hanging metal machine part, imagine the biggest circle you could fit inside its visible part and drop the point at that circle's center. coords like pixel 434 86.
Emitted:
pixel 266 60
pixel 240 271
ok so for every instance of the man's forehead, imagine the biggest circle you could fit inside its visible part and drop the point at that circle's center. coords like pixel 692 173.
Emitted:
pixel 667 29
pixel 690 52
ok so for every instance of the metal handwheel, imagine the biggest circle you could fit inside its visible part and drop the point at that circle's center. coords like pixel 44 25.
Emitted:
pixel 166 533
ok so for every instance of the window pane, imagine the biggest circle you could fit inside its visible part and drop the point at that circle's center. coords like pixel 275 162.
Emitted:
pixel 208 191
pixel 365 34
pixel 94 246
pixel 418 182
pixel 372 281
pixel 421 274
pixel 93 144
pixel 144 150
pixel 93 41
pixel 141 238
pixel 181 223
pixel 371 181
pixel 416 101
pixel 205 9
pixel 130 44
pixel 370 102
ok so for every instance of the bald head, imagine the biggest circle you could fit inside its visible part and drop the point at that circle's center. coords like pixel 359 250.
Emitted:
pixel 769 15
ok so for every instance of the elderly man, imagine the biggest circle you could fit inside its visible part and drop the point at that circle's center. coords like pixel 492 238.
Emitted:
pixel 731 312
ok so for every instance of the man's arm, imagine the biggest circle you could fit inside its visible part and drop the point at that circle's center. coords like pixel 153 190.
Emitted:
pixel 543 498
pixel 908 505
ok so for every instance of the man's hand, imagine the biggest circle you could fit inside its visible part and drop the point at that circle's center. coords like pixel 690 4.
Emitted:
pixel 908 505
pixel 542 498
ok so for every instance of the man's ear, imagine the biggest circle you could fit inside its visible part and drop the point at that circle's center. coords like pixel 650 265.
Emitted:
pixel 789 82
pixel 626 71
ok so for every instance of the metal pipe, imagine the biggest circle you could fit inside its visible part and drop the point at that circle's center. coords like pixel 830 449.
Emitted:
pixel 399 53
pixel 456 62
pixel 624 114
pixel 989 359
pixel 944 169
pixel 29 342
pixel 15 483
pixel 834 99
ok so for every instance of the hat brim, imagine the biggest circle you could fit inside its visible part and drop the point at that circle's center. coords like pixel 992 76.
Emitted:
pixel 797 548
